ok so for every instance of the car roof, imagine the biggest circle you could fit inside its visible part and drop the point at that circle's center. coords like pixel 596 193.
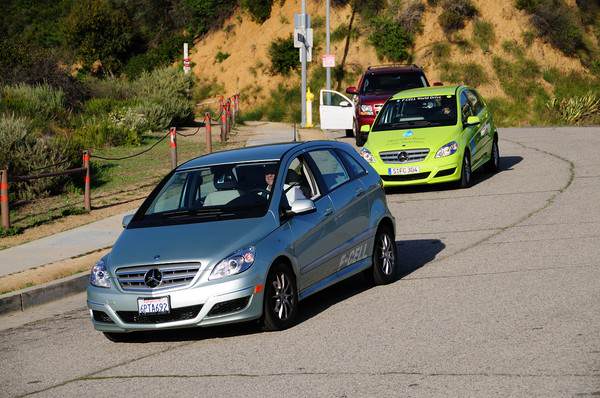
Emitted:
pixel 257 153
pixel 392 68
pixel 423 91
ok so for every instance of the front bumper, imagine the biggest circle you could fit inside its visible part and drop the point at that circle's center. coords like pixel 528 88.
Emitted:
pixel 433 171
pixel 190 306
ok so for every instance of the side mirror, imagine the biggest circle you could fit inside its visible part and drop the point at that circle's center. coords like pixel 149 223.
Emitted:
pixel 351 90
pixel 302 206
pixel 438 83
pixel 472 121
pixel 365 128
pixel 345 104
pixel 126 220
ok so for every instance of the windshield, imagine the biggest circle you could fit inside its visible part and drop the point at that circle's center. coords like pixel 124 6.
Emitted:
pixel 429 111
pixel 228 191
pixel 392 83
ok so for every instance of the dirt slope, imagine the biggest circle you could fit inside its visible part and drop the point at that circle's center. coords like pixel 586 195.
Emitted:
pixel 247 42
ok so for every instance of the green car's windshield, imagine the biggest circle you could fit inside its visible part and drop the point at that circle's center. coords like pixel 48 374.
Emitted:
pixel 226 191
pixel 417 112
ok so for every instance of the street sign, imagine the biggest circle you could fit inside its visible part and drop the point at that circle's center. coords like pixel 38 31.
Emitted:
pixel 303 39
pixel 328 61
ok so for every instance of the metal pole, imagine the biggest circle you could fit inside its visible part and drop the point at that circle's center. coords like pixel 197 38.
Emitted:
pixel 173 145
pixel 208 132
pixel 87 197
pixel 4 199
pixel 328 69
pixel 303 58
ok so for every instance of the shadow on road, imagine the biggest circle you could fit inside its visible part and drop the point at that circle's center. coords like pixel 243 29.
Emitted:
pixel 412 255
pixel 506 164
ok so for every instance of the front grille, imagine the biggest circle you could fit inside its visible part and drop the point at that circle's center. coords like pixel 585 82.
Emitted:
pixel 173 275
pixel 447 172
pixel 176 314
pixel 407 177
pixel 101 316
pixel 229 306
pixel 412 155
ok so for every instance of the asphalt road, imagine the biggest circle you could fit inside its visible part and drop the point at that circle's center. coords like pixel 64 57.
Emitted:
pixel 501 296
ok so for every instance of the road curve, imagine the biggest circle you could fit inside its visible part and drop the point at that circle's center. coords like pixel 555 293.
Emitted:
pixel 500 296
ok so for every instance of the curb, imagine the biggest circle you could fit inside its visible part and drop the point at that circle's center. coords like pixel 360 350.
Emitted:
pixel 22 300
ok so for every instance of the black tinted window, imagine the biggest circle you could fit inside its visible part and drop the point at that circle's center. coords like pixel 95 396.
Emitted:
pixel 465 107
pixel 391 82
pixel 417 112
pixel 353 166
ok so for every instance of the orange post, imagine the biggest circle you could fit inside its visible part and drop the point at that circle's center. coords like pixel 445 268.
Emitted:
pixel 173 146
pixel 223 126
pixel 4 199
pixel 220 104
pixel 228 112
pixel 87 197
pixel 208 132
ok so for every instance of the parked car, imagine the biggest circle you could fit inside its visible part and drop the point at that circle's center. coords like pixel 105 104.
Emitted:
pixel 244 234
pixel 376 85
pixel 432 135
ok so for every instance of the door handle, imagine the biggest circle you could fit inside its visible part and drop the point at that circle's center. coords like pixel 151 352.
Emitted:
pixel 328 212
pixel 359 192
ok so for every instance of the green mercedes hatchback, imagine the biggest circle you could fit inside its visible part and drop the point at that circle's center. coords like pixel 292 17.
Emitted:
pixel 432 135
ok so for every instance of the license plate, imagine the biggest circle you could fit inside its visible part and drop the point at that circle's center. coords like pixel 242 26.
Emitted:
pixel 393 171
pixel 150 306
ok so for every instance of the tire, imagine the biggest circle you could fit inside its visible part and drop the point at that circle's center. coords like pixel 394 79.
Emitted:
pixel 385 267
pixel 121 337
pixel 493 165
pixel 360 140
pixel 280 301
pixel 466 173
pixel 352 132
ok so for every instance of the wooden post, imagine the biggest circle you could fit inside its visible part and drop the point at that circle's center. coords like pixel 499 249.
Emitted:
pixel 223 126
pixel 4 199
pixel 87 197
pixel 173 146
pixel 208 132
pixel 228 112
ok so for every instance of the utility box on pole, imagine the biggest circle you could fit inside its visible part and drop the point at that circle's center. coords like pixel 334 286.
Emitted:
pixel 186 59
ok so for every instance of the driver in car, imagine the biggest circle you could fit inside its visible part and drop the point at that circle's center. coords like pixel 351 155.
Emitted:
pixel 291 187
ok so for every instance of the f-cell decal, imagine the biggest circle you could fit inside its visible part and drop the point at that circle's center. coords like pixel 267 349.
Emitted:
pixel 354 255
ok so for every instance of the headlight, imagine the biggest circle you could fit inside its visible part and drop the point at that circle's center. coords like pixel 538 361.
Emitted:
pixel 366 110
pixel 238 262
pixel 367 155
pixel 99 276
pixel 447 150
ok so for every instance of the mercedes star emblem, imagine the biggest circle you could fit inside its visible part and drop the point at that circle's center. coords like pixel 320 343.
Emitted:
pixel 153 278
pixel 402 156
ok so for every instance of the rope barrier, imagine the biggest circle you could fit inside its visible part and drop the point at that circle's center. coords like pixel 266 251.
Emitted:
pixel 50 166
pixel 189 135
pixel 131 156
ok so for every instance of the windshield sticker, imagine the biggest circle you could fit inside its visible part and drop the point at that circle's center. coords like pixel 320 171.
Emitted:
pixel 432 97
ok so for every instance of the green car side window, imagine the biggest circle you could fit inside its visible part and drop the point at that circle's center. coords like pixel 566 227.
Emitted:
pixel 475 101
pixel 465 107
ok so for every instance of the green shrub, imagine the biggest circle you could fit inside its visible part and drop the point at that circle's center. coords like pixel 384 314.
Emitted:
pixel 341 32
pixel 40 102
pixel 23 151
pixel 507 113
pixel 557 23
pixel 463 45
pixel 528 38
pixel 455 13
pixel 109 88
pixel 518 79
pixel 98 132
pixel 99 31
pixel 260 10
pixel 576 110
pixel 411 17
pixel 283 55
pixel 483 34
pixel 471 74
pixel 391 40
pixel 220 56
pixel 440 51
pixel 102 106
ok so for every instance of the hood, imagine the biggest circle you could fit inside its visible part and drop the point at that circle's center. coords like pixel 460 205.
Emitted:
pixel 429 137
pixel 206 242
pixel 379 98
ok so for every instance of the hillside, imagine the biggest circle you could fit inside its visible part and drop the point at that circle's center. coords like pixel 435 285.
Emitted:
pixel 443 56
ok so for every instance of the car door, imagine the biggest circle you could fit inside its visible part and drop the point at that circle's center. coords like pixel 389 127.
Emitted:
pixel 351 208
pixel 312 232
pixel 472 136
pixel 485 129
pixel 336 111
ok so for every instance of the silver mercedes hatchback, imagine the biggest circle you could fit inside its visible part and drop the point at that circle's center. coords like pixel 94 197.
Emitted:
pixel 244 235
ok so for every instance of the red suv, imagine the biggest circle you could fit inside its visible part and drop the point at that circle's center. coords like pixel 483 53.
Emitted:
pixel 376 85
